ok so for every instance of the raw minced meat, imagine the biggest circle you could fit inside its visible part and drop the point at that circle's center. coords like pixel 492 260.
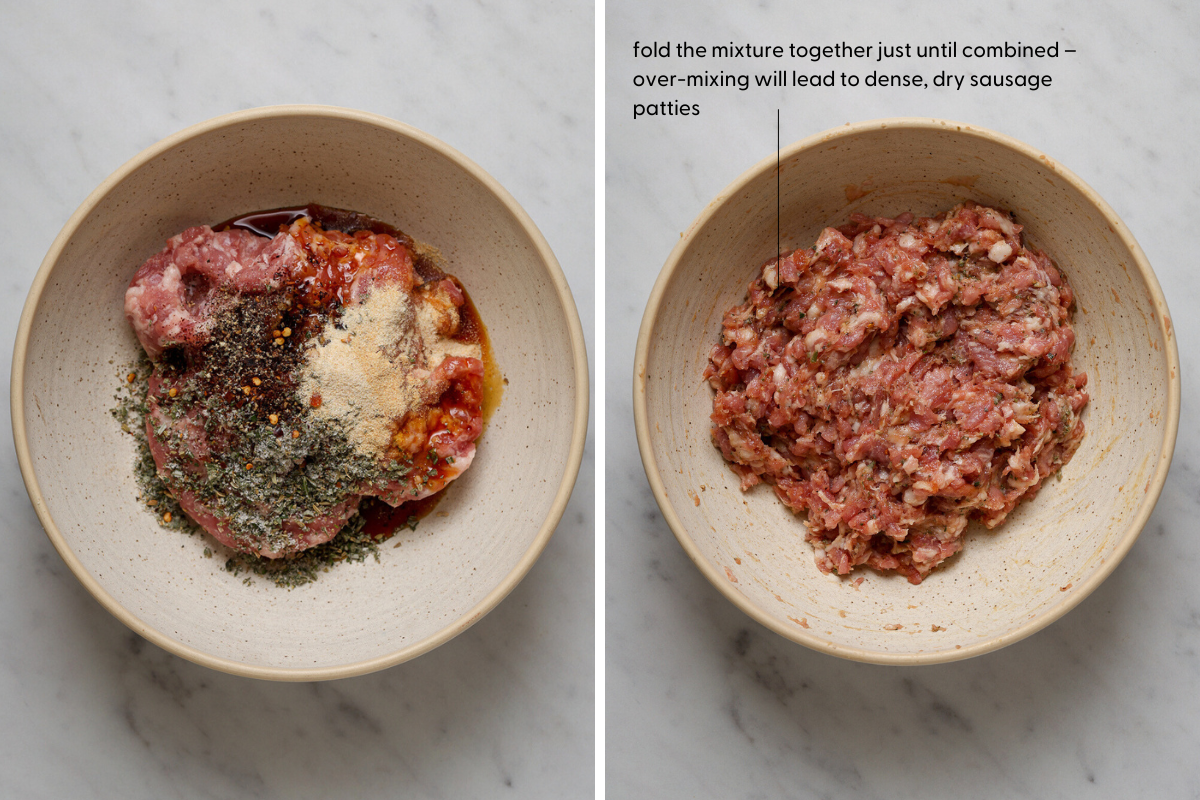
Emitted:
pixel 899 379
pixel 295 375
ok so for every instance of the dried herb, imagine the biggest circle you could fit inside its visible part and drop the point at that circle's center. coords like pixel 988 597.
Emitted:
pixel 352 543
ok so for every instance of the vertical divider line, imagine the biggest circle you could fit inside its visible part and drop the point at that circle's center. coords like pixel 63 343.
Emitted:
pixel 598 415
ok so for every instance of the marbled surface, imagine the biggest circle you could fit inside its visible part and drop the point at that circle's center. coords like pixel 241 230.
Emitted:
pixel 703 702
pixel 90 709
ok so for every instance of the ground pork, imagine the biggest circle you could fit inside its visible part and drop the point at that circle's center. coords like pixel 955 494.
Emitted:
pixel 898 379
pixel 232 421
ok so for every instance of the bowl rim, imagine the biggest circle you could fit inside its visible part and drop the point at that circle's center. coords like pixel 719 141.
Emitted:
pixel 646 334
pixel 498 593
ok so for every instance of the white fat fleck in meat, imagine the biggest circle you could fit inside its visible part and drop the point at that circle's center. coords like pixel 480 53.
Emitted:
pixel 829 501
pixel 173 323
pixel 816 337
pixel 867 366
pixel 1000 220
pixel 1000 251
pixel 771 275
pixel 780 375
pixel 171 279
pixel 135 309
pixel 928 294
pixel 925 553
pixel 1012 430
pixel 738 443
pixel 868 318
pixel 826 239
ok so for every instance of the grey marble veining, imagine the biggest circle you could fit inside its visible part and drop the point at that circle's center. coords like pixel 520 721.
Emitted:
pixel 90 709
pixel 702 701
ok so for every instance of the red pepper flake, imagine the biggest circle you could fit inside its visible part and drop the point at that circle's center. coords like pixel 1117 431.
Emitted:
pixel 315 401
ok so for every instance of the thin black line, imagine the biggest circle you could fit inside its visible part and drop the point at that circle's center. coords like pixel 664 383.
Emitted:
pixel 778 239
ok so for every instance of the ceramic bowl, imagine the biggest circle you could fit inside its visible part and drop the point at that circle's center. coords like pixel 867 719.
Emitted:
pixel 430 584
pixel 1053 550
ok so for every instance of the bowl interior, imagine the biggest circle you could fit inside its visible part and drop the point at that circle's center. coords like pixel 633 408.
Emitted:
pixel 430 583
pixel 1051 551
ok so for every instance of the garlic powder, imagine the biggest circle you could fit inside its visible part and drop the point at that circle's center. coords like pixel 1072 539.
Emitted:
pixel 372 366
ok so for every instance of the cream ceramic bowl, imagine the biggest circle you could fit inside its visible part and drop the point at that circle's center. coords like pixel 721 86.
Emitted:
pixel 73 341
pixel 1052 551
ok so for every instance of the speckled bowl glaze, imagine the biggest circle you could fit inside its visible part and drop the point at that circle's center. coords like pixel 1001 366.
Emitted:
pixel 1052 551
pixel 430 584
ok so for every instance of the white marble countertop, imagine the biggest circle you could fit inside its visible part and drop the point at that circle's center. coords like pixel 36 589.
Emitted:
pixel 703 702
pixel 90 709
